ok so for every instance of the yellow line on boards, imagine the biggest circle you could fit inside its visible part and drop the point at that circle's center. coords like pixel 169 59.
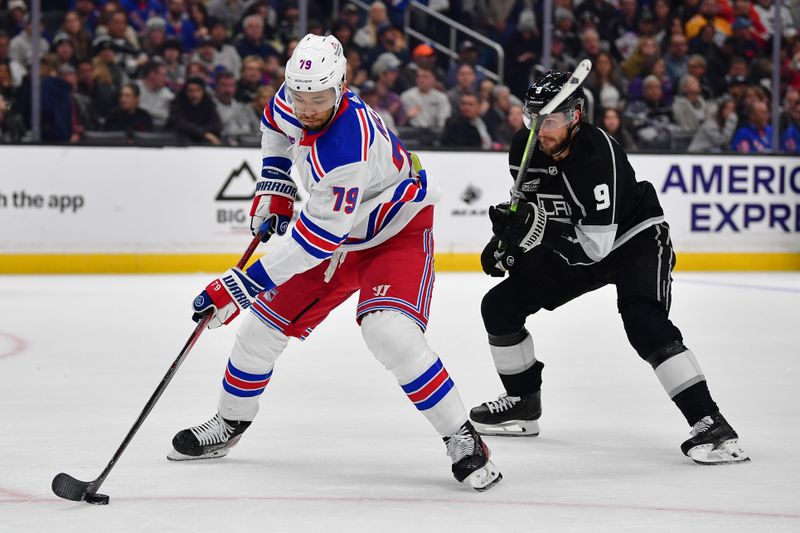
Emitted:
pixel 183 263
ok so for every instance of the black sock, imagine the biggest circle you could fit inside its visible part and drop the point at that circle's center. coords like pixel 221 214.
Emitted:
pixel 526 382
pixel 695 402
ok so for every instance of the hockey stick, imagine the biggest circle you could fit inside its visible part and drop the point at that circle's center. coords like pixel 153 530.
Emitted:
pixel 578 76
pixel 68 487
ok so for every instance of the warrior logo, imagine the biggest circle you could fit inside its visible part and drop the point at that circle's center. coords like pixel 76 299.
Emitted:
pixel 381 290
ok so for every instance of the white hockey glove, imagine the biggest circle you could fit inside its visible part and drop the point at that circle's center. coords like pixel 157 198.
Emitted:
pixel 273 205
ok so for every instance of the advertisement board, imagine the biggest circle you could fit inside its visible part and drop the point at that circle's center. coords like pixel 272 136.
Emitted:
pixel 91 209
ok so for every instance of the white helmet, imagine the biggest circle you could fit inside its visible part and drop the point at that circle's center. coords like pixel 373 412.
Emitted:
pixel 317 63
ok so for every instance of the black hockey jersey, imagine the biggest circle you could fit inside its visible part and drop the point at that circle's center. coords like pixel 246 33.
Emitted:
pixel 593 201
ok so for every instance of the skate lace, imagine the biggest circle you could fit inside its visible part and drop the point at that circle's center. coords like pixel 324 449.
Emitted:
pixel 460 445
pixel 503 403
pixel 214 431
pixel 702 425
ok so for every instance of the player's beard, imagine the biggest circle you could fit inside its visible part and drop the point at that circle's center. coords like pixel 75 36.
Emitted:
pixel 551 146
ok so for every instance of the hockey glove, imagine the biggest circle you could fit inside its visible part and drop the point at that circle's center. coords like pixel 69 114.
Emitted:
pixel 490 259
pixel 523 228
pixel 225 297
pixel 273 205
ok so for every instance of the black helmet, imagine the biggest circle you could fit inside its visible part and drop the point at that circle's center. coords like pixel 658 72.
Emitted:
pixel 543 90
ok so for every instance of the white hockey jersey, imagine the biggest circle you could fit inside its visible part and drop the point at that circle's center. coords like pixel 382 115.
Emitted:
pixel 362 190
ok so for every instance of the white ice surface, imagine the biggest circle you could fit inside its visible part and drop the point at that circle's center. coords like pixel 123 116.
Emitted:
pixel 338 447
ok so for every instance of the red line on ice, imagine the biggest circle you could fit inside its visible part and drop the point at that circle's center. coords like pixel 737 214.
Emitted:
pixel 17 345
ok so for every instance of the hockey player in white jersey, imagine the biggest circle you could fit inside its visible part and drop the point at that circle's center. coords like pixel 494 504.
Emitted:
pixel 367 226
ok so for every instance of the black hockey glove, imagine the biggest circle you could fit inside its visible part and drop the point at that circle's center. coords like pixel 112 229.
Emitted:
pixel 496 262
pixel 523 228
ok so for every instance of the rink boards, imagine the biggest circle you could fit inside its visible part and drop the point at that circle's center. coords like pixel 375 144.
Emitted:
pixel 85 209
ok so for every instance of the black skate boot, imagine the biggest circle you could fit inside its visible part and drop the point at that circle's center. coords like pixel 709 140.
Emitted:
pixel 470 457
pixel 207 441
pixel 513 416
pixel 714 442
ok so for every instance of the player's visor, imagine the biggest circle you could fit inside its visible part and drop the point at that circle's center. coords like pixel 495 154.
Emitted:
pixel 310 103
pixel 552 122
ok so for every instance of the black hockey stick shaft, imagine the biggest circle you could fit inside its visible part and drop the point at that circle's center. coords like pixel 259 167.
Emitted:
pixel 67 487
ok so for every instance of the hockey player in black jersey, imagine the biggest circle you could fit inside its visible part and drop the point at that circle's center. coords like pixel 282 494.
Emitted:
pixel 582 222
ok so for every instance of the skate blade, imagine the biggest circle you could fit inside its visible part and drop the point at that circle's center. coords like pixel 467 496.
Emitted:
pixel 727 453
pixel 175 455
pixel 485 478
pixel 514 428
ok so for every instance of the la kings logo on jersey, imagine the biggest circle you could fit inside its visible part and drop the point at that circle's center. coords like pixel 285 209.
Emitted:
pixel 555 206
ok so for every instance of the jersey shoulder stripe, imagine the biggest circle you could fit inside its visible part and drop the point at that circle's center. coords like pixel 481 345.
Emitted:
pixel 268 120
pixel 283 109
pixel 348 139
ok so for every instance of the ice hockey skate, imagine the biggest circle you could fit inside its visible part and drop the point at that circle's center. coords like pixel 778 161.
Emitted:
pixel 211 440
pixel 510 416
pixel 470 457
pixel 714 442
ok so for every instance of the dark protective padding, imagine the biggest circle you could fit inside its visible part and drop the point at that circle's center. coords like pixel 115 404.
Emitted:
pixel 512 339
pixel 696 402
pixel 662 354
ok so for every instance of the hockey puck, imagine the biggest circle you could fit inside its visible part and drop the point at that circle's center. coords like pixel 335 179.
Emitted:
pixel 96 499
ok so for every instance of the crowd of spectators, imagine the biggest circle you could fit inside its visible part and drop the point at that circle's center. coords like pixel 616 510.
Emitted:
pixel 668 74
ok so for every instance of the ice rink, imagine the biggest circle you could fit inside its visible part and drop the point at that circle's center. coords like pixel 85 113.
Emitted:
pixel 338 447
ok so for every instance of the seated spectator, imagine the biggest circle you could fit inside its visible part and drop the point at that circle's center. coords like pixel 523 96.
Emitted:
pixel 17 70
pixel 604 85
pixel 766 12
pixel 485 90
pixel 141 11
pixel 501 101
pixel 590 45
pixel 73 27
pixel 790 142
pixel 676 59
pixel 369 94
pixel 743 43
pixel 252 41
pixel 179 24
pixel 6 80
pixel 367 35
pixel 205 53
pixel 650 117
pixel 790 116
pixel 250 79
pixel 715 133
pixel 64 50
pixel 708 14
pixel 235 116
pixel 128 116
pixel 423 55
pixel 696 66
pixel 385 69
pixel 20 48
pixel 612 123
pixel 11 126
pixel 467 53
pixel 567 31
pixel 229 12
pixel 562 59
pixel 198 14
pixel 356 73
pixel 193 115
pixel 263 95
pixel 466 128
pixel 522 52
pixel 689 110
pixel 154 96
pixel 425 106
pixel 155 34
pixel 646 53
pixel 96 85
pixel 756 135
pixel 84 116
pixel 391 40
pixel 16 18
pixel 172 55
pixel 512 124
pixel 196 69
pixel 56 102
pixel 465 84
pixel 657 69
pixel 225 54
